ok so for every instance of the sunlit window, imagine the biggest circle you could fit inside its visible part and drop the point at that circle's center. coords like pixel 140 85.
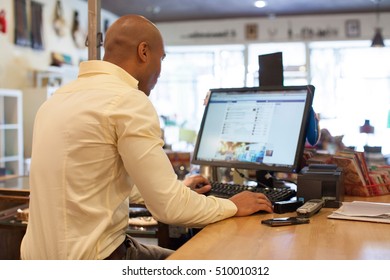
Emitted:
pixel 352 85
pixel 187 75
pixel 294 62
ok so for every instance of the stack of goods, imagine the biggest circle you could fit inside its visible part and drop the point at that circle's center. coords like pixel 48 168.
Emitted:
pixel 359 180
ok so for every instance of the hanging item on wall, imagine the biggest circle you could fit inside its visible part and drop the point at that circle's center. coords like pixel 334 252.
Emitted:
pixel 352 28
pixel 3 22
pixel 22 36
pixel 36 26
pixel 78 33
pixel 106 24
pixel 59 23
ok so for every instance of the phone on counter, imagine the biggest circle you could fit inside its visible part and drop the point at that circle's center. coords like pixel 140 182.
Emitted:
pixel 310 208
pixel 286 221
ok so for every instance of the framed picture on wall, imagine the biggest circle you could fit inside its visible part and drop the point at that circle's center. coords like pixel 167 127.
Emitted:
pixel 36 25
pixel 352 28
pixel 22 35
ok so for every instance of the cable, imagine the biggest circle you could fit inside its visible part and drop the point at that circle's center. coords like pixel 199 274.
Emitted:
pixel 242 175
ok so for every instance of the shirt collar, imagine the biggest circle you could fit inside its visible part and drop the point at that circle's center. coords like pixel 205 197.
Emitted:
pixel 93 67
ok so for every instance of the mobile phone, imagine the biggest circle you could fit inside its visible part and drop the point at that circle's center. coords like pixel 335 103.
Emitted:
pixel 275 222
pixel 310 208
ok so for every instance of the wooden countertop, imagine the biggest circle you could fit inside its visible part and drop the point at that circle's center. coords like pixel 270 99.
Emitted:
pixel 245 238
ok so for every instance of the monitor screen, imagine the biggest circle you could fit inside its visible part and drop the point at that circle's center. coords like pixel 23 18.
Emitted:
pixel 262 128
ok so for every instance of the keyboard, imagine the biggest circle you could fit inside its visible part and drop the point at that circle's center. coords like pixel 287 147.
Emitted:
pixel 227 190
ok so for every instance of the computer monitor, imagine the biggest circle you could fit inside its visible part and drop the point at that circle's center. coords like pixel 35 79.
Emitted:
pixel 260 128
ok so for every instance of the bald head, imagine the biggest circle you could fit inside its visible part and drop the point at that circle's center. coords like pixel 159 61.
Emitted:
pixel 136 45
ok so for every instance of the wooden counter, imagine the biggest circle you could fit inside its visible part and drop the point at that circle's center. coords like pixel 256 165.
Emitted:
pixel 245 238
pixel 14 194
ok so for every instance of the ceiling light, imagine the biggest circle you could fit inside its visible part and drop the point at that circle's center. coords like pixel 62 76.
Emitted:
pixel 377 41
pixel 260 4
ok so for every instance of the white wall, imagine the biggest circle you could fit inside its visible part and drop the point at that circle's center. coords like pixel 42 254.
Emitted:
pixel 17 64
pixel 278 29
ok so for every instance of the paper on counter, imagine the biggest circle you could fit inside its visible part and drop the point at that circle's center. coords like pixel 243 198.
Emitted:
pixel 363 211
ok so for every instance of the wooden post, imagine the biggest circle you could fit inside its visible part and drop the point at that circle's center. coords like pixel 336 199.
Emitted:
pixel 95 36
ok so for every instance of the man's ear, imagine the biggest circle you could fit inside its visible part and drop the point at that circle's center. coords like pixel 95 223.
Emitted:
pixel 143 51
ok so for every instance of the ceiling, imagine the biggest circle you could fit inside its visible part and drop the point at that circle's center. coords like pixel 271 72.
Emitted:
pixel 179 10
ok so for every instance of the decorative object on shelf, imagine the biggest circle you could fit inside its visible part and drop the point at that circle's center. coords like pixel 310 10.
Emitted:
pixel 352 28
pixel 251 31
pixel 58 59
pixel 311 33
pixel 377 41
pixel 3 22
pixel 290 30
pixel 59 23
pixel 272 32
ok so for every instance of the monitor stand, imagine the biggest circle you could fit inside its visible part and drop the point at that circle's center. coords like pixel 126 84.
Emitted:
pixel 266 178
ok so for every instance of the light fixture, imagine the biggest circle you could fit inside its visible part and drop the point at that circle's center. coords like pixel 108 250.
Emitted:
pixel 367 128
pixel 377 41
pixel 260 4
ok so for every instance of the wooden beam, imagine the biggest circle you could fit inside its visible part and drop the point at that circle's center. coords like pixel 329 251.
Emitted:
pixel 95 37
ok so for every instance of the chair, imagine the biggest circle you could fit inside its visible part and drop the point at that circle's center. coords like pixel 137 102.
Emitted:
pixel 167 236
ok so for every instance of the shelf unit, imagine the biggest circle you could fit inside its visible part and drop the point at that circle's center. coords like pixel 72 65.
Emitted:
pixel 11 132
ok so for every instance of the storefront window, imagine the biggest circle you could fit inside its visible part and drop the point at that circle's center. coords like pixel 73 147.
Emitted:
pixel 352 83
pixel 294 62
pixel 187 75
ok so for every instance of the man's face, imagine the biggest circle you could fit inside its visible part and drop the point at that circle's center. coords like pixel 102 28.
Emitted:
pixel 157 56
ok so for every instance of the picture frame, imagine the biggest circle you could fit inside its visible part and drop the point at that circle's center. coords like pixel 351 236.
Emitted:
pixel 352 28
pixel 22 32
pixel 251 31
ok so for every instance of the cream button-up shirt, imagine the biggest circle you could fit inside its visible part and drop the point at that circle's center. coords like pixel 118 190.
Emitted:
pixel 90 138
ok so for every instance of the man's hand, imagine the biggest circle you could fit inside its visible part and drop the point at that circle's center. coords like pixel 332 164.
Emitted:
pixel 249 202
pixel 197 183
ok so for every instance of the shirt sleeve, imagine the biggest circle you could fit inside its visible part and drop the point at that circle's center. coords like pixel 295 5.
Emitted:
pixel 166 197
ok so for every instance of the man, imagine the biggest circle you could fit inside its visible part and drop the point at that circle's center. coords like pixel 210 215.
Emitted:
pixel 95 135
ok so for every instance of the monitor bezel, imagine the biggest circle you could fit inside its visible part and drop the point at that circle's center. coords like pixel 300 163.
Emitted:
pixel 295 167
